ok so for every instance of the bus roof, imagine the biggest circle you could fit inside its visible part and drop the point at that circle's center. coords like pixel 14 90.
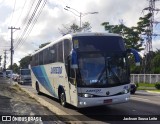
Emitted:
pixel 69 36
pixel 94 34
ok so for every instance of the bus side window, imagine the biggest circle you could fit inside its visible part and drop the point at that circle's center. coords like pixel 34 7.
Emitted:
pixel 36 59
pixel 67 49
pixel 71 73
pixel 59 52
pixel 32 61
pixel 46 56
pixel 53 54
pixel 41 58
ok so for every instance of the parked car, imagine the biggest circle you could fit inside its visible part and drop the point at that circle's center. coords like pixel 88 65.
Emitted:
pixel 15 77
pixel 1 74
pixel 8 73
pixel 133 88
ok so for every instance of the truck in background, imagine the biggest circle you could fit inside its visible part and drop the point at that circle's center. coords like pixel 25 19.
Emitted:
pixel 24 76
pixel 8 73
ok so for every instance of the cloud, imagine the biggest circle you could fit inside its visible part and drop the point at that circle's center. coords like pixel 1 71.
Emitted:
pixel 156 45
pixel 54 16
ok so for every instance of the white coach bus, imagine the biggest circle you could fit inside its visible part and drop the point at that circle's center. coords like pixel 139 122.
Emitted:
pixel 84 69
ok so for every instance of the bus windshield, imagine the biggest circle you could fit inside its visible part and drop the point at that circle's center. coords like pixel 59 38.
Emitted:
pixel 102 70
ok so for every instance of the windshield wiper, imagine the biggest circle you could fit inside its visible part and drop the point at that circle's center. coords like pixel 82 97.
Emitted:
pixel 115 75
pixel 101 74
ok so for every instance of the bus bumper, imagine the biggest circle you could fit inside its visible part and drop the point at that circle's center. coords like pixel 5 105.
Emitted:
pixel 89 102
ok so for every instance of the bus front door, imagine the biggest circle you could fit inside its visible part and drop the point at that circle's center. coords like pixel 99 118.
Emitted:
pixel 72 86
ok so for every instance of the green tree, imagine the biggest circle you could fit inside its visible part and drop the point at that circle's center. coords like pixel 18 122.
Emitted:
pixel 15 68
pixel 73 28
pixel 24 62
pixel 43 45
pixel 86 27
pixel 133 68
pixel 132 35
pixel 155 62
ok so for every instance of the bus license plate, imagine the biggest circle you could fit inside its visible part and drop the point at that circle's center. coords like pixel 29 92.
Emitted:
pixel 108 101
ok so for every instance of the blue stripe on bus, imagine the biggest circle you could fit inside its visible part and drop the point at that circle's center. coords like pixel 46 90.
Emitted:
pixel 40 73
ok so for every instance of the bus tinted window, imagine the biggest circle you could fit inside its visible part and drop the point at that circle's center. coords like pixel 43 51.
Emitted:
pixel 53 53
pixel 97 43
pixel 41 58
pixel 60 52
pixel 46 56
pixel 67 48
pixel 36 59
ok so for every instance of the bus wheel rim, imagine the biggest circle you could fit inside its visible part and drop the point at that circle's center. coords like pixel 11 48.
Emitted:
pixel 62 99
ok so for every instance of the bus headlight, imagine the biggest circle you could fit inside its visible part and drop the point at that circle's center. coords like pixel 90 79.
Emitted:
pixel 82 103
pixel 85 95
pixel 125 91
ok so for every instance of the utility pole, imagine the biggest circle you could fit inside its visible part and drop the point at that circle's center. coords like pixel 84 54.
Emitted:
pixel 0 60
pixel 12 28
pixel 148 47
pixel 5 57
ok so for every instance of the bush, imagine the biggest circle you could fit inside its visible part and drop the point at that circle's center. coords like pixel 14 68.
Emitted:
pixel 137 85
pixel 157 85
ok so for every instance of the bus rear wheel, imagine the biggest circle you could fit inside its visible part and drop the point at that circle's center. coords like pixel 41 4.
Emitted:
pixel 63 99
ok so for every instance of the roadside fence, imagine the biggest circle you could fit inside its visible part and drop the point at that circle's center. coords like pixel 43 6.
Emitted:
pixel 145 78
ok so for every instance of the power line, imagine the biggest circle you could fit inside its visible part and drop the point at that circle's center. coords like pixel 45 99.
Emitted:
pixel 31 22
pixel 13 12
pixel 18 19
pixel 25 21
pixel 28 24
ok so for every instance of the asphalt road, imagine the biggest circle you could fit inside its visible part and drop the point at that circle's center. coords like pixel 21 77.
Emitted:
pixel 149 97
pixel 16 103
pixel 142 105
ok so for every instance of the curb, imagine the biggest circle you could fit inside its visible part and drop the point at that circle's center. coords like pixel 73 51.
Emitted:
pixel 50 106
pixel 152 92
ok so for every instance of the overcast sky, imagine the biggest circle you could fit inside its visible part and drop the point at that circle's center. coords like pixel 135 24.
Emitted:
pixel 17 13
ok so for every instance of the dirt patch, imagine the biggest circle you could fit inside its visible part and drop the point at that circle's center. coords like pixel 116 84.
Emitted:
pixel 20 102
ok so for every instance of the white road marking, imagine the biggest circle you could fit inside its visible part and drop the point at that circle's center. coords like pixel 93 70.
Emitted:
pixel 140 99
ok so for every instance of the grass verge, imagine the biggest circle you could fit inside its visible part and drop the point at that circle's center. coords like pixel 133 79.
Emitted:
pixel 147 86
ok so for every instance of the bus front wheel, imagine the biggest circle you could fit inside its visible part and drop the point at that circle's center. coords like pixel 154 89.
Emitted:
pixel 37 88
pixel 63 99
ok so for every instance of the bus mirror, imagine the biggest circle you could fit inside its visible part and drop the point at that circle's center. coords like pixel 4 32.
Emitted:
pixel 74 63
pixel 136 56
